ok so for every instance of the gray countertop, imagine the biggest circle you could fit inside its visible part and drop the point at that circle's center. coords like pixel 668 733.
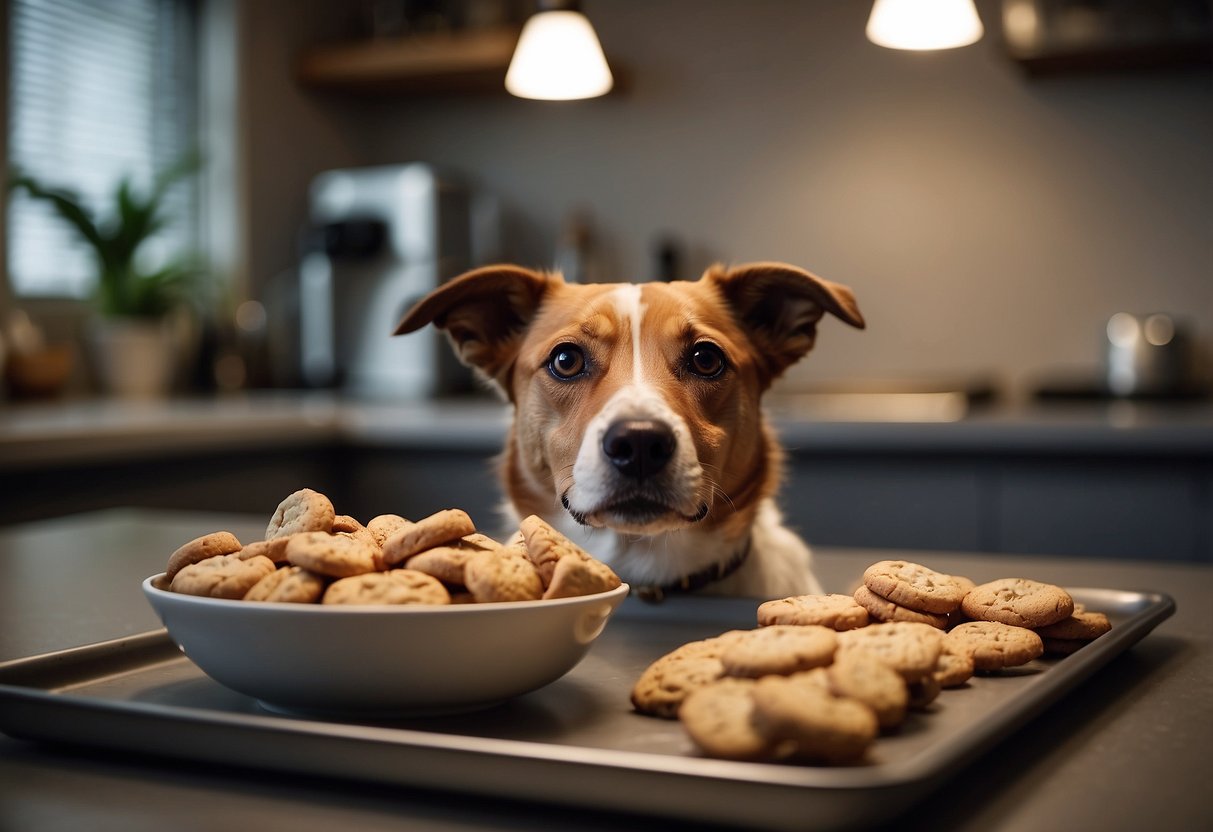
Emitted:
pixel 95 430
pixel 1126 750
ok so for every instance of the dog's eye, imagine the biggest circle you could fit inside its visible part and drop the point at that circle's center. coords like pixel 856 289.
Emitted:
pixel 706 360
pixel 566 361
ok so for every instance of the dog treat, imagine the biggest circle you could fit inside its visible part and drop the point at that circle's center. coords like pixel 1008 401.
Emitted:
pixel 289 585
pixel 304 511
pixel 199 549
pixel 838 612
pixel 1081 626
pixel 910 648
pixel 383 526
pixel 821 726
pixel 994 645
pixel 664 685
pixel 719 719
pixel 1019 602
pixel 502 576
pixel 863 676
pixel 955 665
pixel 274 549
pixel 779 649
pixel 221 576
pixel 882 609
pixel 577 576
pixel 914 586
pixel 545 546
pixel 397 586
pixel 334 555
pixel 439 528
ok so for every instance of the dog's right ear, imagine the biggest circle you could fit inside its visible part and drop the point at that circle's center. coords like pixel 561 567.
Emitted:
pixel 484 312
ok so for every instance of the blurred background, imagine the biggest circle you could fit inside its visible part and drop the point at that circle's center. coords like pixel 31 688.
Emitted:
pixel 217 210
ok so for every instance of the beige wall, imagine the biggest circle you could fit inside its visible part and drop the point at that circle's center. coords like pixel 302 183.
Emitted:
pixel 987 222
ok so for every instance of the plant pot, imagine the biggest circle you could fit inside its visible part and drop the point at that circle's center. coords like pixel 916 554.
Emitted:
pixel 134 358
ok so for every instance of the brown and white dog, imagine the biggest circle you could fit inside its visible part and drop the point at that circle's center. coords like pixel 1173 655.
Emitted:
pixel 638 429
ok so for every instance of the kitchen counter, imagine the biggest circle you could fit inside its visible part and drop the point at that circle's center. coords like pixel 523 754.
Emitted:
pixel 1123 751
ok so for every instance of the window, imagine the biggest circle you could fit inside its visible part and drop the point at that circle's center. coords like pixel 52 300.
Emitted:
pixel 100 90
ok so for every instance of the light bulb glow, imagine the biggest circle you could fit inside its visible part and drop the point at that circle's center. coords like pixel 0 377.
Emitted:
pixel 558 58
pixel 924 24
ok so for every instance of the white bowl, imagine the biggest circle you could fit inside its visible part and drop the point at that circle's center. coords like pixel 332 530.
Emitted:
pixel 383 660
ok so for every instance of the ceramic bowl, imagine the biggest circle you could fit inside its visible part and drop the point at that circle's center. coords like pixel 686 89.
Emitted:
pixel 383 660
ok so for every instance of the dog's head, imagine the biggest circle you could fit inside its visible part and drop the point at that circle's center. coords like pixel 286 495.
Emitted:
pixel 636 406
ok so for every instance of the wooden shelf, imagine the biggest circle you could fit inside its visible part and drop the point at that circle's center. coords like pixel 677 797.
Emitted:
pixel 456 62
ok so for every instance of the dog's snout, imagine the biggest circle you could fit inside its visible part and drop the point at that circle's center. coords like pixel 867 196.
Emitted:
pixel 639 447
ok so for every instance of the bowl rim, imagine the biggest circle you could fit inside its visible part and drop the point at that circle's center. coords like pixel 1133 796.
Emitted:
pixel 485 607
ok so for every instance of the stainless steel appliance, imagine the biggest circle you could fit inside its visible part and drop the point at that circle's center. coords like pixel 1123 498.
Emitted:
pixel 381 238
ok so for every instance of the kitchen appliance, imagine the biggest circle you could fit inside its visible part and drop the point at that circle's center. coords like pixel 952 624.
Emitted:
pixel 380 239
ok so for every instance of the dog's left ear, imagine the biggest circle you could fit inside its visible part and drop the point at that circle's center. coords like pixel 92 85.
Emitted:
pixel 484 312
pixel 779 306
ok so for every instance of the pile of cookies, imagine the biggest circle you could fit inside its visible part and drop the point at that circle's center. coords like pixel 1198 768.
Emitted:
pixel 824 675
pixel 311 554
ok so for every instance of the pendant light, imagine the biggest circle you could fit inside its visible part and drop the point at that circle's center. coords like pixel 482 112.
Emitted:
pixel 558 57
pixel 924 24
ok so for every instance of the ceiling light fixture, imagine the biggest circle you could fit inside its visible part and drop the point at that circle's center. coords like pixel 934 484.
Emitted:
pixel 924 24
pixel 558 57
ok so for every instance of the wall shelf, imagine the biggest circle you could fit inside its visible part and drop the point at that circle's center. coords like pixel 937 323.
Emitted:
pixel 447 62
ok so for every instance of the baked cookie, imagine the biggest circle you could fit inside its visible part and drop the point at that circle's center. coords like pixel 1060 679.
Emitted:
pixel 221 576
pixel 439 528
pixel 274 549
pixel 446 563
pixel 914 585
pixel 398 586
pixel 1081 626
pixel 545 546
pixel 838 612
pixel 882 609
pixel 1019 602
pixel 476 540
pixel 779 649
pixel 819 725
pixel 383 526
pixel 304 511
pixel 199 549
pixel 334 555
pixel 718 719
pixel 289 585
pixel 665 683
pixel 575 576
pixel 860 675
pixel 910 648
pixel 994 645
pixel 502 576
pixel 955 665
pixel 345 523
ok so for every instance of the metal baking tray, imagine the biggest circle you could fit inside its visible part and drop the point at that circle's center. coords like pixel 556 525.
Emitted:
pixel 575 742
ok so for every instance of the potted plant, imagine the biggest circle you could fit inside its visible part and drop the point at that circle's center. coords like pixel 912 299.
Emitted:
pixel 134 338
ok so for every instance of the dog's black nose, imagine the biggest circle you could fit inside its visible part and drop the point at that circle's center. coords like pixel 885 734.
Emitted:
pixel 638 447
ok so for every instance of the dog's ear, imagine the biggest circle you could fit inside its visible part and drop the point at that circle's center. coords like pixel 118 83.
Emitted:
pixel 484 312
pixel 779 306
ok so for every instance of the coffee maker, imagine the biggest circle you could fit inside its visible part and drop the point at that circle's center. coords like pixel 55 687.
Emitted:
pixel 381 238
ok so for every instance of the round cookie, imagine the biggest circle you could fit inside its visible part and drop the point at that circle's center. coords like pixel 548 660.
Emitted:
pixel 994 645
pixel 334 555
pixel 274 549
pixel 304 511
pixel 199 549
pixel 476 540
pixel 861 675
pixel 838 612
pixel 446 563
pixel 439 528
pixel 718 719
pixel 399 586
pixel 915 586
pixel 665 683
pixel 545 546
pixel 289 585
pixel 955 665
pixel 577 576
pixel 1019 602
pixel 383 526
pixel 910 648
pixel 779 649
pixel 221 576
pixel 501 576
pixel 821 726
pixel 1081 626
pixel 345 523
pixel 882 609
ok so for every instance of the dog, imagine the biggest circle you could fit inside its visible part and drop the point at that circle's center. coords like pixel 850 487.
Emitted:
pixel 638 429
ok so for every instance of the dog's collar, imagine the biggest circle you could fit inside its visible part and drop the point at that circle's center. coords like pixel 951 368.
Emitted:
pixel 696 580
